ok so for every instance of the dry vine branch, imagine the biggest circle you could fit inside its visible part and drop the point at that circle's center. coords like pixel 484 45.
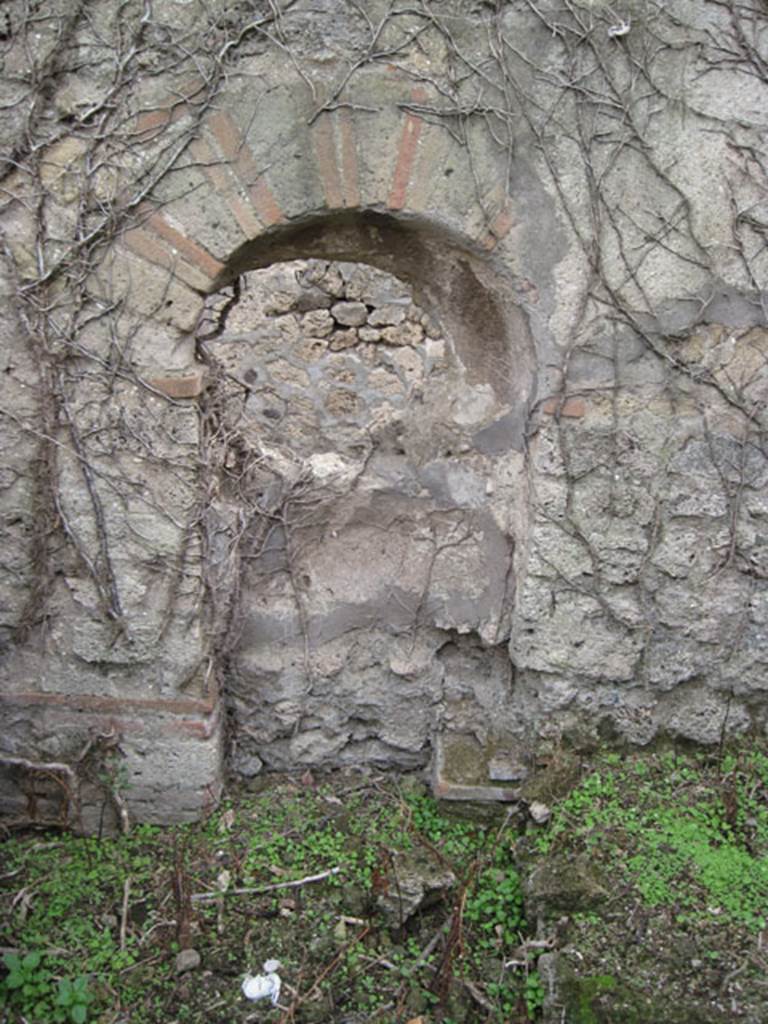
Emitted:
pixel 582 103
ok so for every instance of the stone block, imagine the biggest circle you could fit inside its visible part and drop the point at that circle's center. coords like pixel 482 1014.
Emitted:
pixel 388 315
pixel 179 384
pixel 460 772
pixel 163 296
pixel 349 314
pixel 168 772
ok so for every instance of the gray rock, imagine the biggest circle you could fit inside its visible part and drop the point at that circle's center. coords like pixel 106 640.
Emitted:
pixel 391 314
pixel 280 302
pixel 350 314
pixel 187 960
pixel 369 334
pixel 403 334
pixel 415 884
pixel 340 340
pixel 563 884
pixel 247 765
pixel 317 323
pixel 539 812
pixel 312 298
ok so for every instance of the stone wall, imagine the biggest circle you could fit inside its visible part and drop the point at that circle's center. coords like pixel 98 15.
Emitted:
pixel 380 534
pixel 512 496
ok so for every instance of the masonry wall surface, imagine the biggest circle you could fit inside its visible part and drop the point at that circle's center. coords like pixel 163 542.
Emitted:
pixel 559 533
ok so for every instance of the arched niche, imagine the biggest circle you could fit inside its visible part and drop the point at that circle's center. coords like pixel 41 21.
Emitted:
pixel 375 587
pixel 463 288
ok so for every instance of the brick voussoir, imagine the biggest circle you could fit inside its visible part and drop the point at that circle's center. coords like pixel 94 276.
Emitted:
pixel 499 228
pixel 406 153
pixel 145 245
pixel 266 205
pixel 225 183
pixel 237 151
pixel 324 146
pixel 191 252
pixel 171 108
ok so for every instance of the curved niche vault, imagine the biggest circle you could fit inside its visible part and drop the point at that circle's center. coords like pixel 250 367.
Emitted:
pixel 370 492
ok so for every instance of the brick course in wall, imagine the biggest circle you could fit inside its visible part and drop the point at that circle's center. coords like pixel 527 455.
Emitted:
pixel 529 510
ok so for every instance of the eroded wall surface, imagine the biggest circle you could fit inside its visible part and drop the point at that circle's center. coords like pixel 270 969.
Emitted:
pixel 383 530
pixel 532 512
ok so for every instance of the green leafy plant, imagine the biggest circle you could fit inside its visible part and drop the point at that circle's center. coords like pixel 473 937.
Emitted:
pixel 685 831
pixel 533 994
pixel 496 905
pixel 27 985
pixel 29 988
pixel 287 832
pixel 73 1000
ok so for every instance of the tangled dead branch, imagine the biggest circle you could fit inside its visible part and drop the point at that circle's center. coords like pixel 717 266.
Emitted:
pixel 60 783
pixel 588 96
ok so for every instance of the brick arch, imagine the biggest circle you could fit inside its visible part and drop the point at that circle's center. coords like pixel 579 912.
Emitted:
pixel 349 184
pixel 247 184
pixel 456 279
pixel 362 188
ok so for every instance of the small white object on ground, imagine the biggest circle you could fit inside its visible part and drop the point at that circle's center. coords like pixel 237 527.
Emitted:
pixel 263 986
pixel 620 29
pixel 539 812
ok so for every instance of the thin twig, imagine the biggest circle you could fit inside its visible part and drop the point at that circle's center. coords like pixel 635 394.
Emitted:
pixel 261 889
pixel 124 914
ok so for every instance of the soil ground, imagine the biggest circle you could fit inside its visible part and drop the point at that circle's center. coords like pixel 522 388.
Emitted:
pixel 642 898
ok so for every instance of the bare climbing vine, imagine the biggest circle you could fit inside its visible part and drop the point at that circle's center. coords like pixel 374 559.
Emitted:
pixel 590 94
pixel 53 791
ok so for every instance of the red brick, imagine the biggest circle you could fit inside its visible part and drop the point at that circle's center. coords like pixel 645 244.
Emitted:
pixel 188 384
pixel 499 227
pixel 154 250
pixel 171 108
pixel 226 134
pixel 324 145
pixel 152 121
pixel 112 705
pixel 349 168
pixel 406 154
pixel 266 205
pixel 199 729
pixel 237 151
pixel 190 251
pixel 574 408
